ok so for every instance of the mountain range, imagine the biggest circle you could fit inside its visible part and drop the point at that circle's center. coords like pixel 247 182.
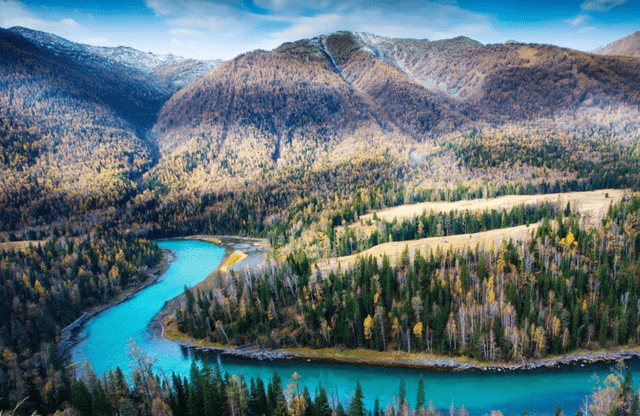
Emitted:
pixel 86 130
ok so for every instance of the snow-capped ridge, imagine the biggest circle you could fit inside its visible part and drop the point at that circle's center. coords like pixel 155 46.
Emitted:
pixel 171 71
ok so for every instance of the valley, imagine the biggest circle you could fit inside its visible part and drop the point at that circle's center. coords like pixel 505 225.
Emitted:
pixel 387 201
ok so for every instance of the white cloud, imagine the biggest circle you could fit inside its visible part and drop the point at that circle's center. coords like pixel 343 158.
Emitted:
pixel 185 32
pixel 601 5
pixel 14 13
pixel 236 29
pixel 580 20
pixel 586 29
pixel 432 21
pixel 162 7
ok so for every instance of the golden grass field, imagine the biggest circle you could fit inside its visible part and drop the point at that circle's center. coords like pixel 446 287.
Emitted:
pixel 592 205
pixel 394 249
pixel 18 245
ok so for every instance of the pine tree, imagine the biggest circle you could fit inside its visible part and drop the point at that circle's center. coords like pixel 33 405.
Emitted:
pixel 308 403
pixel 356 407
pixel 81 398
pixel 321 405
pixel 420 395
pixel 376 408
pixel 275 397
pixel 402 395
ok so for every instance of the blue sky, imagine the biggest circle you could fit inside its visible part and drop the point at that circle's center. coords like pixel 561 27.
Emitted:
pixel 212 29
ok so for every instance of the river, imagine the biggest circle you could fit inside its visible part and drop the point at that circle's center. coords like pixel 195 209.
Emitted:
pixel 105 339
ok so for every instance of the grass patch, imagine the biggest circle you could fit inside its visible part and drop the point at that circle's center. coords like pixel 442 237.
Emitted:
pixel 234 258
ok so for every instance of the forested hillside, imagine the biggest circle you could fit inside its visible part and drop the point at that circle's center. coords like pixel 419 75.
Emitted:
pixel 565 288
pixel 72 125
pixel 45 288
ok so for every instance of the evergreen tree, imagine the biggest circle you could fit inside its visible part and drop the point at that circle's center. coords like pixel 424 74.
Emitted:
pixel 340 410
pixel 420 395
pixel 376 408
pixel 277 403
pixel 308 403
pixel 81 399
pixel 356 407
pixel 257 399
pixel 321 406
pixel 402 395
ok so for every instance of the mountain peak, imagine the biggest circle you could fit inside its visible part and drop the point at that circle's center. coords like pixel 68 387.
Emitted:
pixel 627 46
pixel 168 72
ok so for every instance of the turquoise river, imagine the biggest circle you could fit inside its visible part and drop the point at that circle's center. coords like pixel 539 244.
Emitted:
pixel 105 339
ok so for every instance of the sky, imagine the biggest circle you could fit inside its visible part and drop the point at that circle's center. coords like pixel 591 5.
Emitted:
pixel 222 29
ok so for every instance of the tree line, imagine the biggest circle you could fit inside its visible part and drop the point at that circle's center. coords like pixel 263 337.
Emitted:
pixel 565 288
pixel 206 391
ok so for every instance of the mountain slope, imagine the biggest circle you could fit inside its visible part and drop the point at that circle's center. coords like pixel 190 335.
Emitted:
pixel 514 80
pixel 324 92
pixel 72 125
pixel 261 111
pixel 166 72
pixel 627 46
pixel 90 128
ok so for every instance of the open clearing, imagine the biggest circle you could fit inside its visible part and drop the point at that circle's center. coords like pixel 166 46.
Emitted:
pixel 18 245
pixel 592 205
pixel 394 249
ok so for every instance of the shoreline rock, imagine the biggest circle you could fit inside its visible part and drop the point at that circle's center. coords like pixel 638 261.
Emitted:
pixel 431 363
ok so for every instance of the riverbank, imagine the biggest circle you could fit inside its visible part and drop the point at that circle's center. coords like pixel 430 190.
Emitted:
pixel 240 253
pixel 395 359
pixel 68 334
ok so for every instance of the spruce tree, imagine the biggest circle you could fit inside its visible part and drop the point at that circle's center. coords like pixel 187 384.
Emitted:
pixel 321 405
pixel 356 407
pixel 308 403
pixel 420 396
pixel 402 395
pixel 376 408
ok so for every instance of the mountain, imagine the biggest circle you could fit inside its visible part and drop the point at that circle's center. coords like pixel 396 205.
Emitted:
pixel 265 110
pixel 167 72
pixel 627 46
pixel 327 120
pixel 73 122
pixel 310 100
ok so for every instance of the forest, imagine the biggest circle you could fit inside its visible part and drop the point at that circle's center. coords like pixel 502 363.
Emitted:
pixel 440 224
pixel 209 392
pixel 45 288
pixel 566 288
